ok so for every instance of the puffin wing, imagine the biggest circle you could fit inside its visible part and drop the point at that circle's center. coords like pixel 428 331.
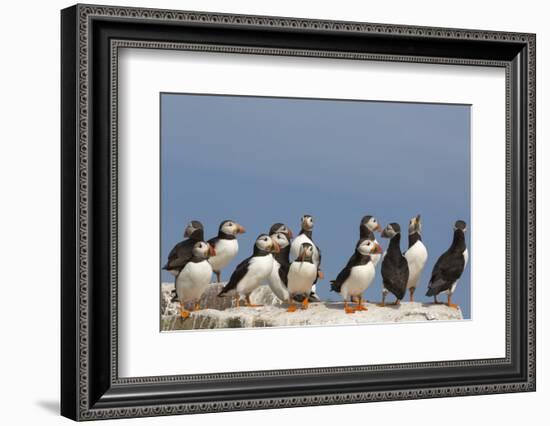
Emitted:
pixel 237 275
pixel 395 276
pixel 336 285
pixel 179 255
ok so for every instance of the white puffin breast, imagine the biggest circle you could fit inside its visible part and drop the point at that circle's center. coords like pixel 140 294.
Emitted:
pixel 297 244
pixel 259 268
pixel 193 281
pixel 275 283
pixel 301 276
pixel 360 278
pixel 416 257
pixel 226 250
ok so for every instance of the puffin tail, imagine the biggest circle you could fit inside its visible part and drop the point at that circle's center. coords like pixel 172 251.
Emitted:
pixel 333 286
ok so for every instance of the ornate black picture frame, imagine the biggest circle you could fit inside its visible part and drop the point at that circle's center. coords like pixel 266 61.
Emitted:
pixel 91 37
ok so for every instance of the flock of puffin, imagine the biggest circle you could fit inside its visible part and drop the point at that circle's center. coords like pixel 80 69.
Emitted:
pixel 292 267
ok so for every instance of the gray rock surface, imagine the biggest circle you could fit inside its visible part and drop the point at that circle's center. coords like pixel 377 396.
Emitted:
pixel 221 313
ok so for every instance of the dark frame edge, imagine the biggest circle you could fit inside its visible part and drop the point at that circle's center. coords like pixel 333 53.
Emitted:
pixel 69 188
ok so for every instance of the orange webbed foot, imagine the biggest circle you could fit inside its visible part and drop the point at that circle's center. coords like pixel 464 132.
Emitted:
pixel 291 308
pixel 348 309
pixel 452 305
pixel 185 314
pixel 361 308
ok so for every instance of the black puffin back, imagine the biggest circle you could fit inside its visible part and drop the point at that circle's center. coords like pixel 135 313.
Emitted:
pixel 395 269
pixel 449 267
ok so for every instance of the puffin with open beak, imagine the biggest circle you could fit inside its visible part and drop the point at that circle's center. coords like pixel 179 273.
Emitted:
pixel 301 275
pixel 226 246
pixel 194 278
pixel 357 275
pixel 250 273
pixel 416 255
pixel 450 266
pixel 306 236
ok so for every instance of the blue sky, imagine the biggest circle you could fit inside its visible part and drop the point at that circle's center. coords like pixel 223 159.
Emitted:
pixel 264 160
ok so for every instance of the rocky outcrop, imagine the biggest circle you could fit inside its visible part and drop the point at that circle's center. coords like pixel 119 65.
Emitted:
pixel 221 313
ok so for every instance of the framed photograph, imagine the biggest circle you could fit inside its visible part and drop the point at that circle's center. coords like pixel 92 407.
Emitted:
pixel 263 212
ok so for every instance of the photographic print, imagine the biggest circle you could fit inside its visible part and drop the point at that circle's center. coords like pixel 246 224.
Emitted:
pixel 281 212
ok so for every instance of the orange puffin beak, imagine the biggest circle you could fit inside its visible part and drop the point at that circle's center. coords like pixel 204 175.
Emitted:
pixel 241 230
pixel 378 248
pixel 212 250
pixel 379 228
pixel 290 234
pixel 276 248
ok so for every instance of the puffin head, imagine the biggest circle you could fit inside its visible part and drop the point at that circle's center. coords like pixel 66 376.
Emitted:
pixel 267 244
pixel 415 225
pixel 307 222
pixel 391 230
pixel 193 228
pixel 230 227
pixel 282 228
pixel 366 246
pixel 281 239
pixel 203 250
pixel 460 224
pixel 306 252
pixel 371 223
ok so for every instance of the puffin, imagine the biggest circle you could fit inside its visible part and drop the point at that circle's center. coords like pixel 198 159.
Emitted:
pixel 277 279
pixel 194 277
pixel 357 275
pixel 226 246
pixel 395 269
pixel 369 224
pixel 306 236
pixel 301 275
pixel 250 273
pixel 182 252
pixel 416 255
pixel 450 266
pixel 282 228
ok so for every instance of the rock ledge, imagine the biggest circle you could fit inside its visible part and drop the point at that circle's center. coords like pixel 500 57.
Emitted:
pixel 221 314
